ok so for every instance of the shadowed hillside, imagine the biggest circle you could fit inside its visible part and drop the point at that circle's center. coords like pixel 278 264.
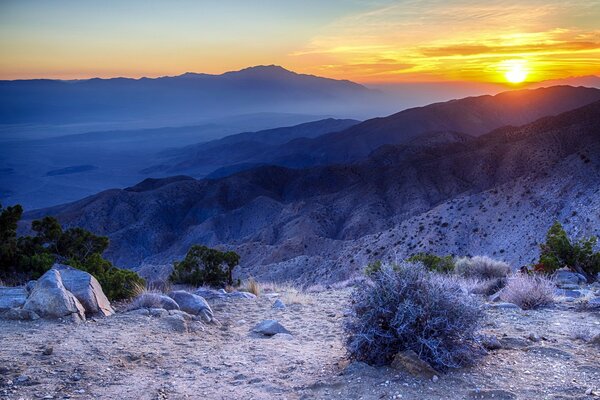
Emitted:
pixel 291 220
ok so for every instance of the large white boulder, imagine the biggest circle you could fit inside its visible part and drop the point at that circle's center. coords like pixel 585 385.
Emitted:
pixel 86 289
pixel 50 299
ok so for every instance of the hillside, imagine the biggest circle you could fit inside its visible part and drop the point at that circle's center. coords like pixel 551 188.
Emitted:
pixel 472 116
pixel 315 223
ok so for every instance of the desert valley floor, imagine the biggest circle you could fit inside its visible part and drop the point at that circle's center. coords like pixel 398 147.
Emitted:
pixel 130 356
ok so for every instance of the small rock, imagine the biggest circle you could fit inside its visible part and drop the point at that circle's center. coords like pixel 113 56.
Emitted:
pixel 278 305
pixel 588 391
pixel 595 339
pixel 158 312
pixel 533 337
pixel 19 314
pixel 269 327
pixel 175 323
pixel 490 342
pixel 22 379
pixel 48 350
pixel 503 305
pixel 241 295
pixel 409 361
pixel 495 394
pixel 435 378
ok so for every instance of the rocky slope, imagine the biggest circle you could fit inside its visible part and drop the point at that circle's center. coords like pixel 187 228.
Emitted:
pixel 495 194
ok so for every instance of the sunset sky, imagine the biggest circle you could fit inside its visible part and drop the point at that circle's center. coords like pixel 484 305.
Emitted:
pixel 365 41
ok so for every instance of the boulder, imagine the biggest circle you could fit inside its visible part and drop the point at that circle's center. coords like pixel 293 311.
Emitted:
pixel 269 327
pixel 87 290
pixel 490 342
pixel 19 314
pixel 564 277
pixel 210 294
pixel 410 362
pixel 192 304
pixel 154 300
pixel 50 299
pixel 278 305
pixel 12 297
pixel 575 294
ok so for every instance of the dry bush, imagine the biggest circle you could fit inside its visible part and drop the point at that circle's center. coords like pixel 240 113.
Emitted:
pixel 481 267
pixel 351 282
pixel 145 300
pixel 253 287
pixel 579 333
pixel 529 291
pixel 409 308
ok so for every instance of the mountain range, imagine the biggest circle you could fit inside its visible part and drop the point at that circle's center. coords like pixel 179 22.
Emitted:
pixel 420 180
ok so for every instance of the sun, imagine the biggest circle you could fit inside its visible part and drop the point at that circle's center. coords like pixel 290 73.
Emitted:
pixel 515 71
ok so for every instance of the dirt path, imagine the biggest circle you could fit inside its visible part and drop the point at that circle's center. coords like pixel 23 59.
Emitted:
pixel 137 357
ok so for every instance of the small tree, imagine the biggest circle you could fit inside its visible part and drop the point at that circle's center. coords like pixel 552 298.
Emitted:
pixel 559 251
pixel 205 266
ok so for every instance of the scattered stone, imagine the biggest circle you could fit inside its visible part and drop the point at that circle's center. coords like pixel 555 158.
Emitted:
pixel 549 352
pixel 575 294
pixel 283 336
pixel 241 295
pixel 50 299
pixel 19 314
pixel 158 312
pixel 512 343
pixel 269 327
pixel 86 289
pixel 192 304
pixel 490 342
pixel 495 394
pixel 278 305
pixel 48 350
pixel 435 378
pixel 595 339
pixel 496 297
pixel 175 323
pixel 182 314
pixel 154 300
pixel 210 294
pixel 410 362
pixel 565 277
pixel 534 337
pixel 503 305
pixel 139 311
pixel 12 297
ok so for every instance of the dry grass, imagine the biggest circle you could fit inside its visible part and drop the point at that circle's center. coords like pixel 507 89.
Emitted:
pixel 290 293
pixel 253 287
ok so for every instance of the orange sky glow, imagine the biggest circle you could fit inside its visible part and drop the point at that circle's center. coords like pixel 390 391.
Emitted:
pixel 370 41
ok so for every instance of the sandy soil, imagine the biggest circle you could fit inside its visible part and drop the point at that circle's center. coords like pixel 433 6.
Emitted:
pixel 137 357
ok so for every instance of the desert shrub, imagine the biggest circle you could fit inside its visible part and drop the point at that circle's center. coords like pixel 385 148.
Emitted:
pixel 409 308
pixel 529 291
pixel 481 267
pixel 485 287
pixel 560 251
pixel 205 266
pixel 117 284
pixel 433 262
pixel 373 267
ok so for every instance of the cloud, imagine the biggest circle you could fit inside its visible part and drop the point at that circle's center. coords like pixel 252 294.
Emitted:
pixel 465 39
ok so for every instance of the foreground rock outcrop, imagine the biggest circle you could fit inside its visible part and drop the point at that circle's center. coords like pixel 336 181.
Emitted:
pixel 62 292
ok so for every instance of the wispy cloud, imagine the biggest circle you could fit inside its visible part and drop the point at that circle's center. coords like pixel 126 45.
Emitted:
pixel 434 39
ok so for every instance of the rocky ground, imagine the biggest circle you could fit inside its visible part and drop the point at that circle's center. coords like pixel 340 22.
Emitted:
pixel 544 354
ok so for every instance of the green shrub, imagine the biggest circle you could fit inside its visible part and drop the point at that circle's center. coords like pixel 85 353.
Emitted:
pixel 560 251
pixel 205 266
pixel 29 257
pixel 434 262
pixel 372 268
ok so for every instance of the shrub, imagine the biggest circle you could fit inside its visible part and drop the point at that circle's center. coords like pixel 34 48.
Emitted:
pixel 373 267
pixel 528 291
pixel 559 251
pixel 29 257
pixel 253 287
pixel 205 266
pixel 433 262
pixel 481 267
pixel 408 308
pixel 117 284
